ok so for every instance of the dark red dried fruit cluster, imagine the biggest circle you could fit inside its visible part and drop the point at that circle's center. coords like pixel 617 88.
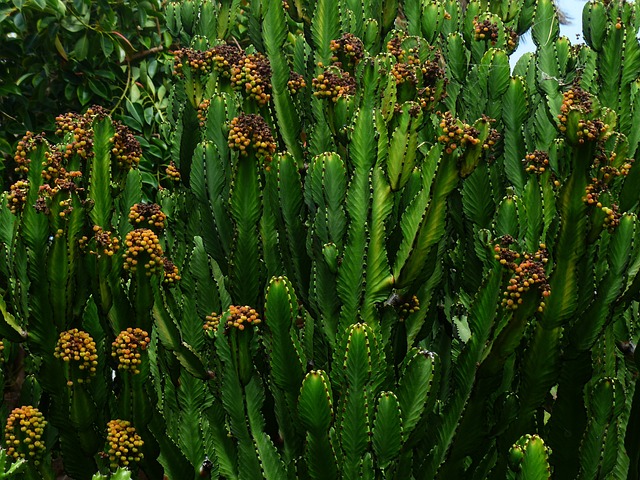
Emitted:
pixel 485 30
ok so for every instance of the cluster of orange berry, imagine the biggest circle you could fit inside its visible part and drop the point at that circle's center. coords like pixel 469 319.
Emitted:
pixel 593 192
pixel 171 273
pixel 394 47
pixel 226 57
pixel 126 148
pixel 492 139
pixel 143 247
pixel 432 75
pixel 512 38
pixel 612 217
pixel 251 132
pixel 428 77
pixel 52 165
pixel 202 111
pixel 536 162
pixel 485 30
pixel 17 196
pixel 454 133
pixel 410 306
pixel 23 434
pixel 296 83
pixel 235 317
pixel 149 214
pixel 80 127
pixel 253 75
pixel 172 172
pixel 199 61
pixel 333 83
pixel 590 130
pixel 27 144
pixel 124 444
pixel 79 350
pixel 576 98
pixel 127 347
pixel 404 73
pixel 348 50
pixel 105 243
pixel 529 272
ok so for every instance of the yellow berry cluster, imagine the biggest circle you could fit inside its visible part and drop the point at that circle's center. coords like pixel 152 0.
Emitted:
pixel 593 191
pixel 235 317
pixel 434 81
pixel 253 75
pixel 536 162
pixel 17 196
pixel 172 172
pixel 485 30
pixel 409 307
pixel 348 50
pixel 333 84
pixel 126 149
pixel 80 128
pixel 529 272
pixel 148 214
pixel 404 73
pixel 455 133
pixel 171 273
pixel 211 322
pixel 574 99
pixel 199 61
pixel 226 57
pixel 1 351
pixel 143 248
pixel 251 132
pixel 612 217
pixel 78 349
pixel 492 139
pixel 23 434
pixel 296 83
pixel 105 243
pixel 127 348
pixel 124 444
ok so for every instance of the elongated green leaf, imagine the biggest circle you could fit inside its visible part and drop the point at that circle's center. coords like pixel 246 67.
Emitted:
pixel 272 466
pixel 324 28
pixel 514 112
pixel 245 209
pixel 315 404
pixel 378 276
pixel 533 463
pixel 478 203
pixel 100 179
pixel 545 23
pixel 281 308
pixel 387 429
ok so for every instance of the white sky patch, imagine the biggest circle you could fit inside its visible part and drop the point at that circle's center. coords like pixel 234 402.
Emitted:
pixel 573 31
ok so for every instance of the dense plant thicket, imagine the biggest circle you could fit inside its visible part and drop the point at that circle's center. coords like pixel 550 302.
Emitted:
pixel 375 252
pixel 63 55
